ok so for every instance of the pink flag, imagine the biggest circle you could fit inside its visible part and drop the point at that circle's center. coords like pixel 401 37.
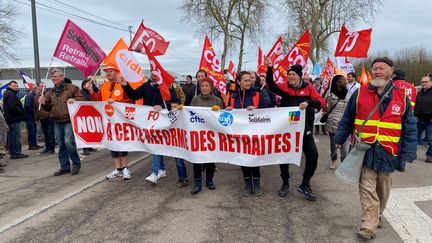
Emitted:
pixel 77 48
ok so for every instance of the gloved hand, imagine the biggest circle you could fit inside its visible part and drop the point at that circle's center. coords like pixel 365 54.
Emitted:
pixel 215 108
pixel 180 107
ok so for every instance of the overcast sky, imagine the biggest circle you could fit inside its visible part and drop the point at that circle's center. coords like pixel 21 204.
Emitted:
pixel 399 24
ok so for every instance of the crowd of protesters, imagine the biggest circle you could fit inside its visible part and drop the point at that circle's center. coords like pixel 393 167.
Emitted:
pixel 392 130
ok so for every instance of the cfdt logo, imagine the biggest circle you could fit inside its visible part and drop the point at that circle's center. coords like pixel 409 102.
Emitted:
pixel 194 118
pixel 130 113
pixel 226 119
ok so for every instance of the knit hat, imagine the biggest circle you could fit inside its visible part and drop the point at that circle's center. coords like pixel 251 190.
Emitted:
pixel 399 74
pixel 386 60
pixel 207 79
pixel 297 69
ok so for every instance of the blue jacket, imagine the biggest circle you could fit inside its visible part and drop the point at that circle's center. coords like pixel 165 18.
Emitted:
pixel 247 100
pixel 29 113
pixel 376 157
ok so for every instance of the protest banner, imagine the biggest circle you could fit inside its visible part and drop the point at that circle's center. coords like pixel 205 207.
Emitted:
pixel 197 134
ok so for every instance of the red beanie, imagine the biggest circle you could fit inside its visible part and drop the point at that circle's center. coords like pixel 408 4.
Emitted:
pixel 207 79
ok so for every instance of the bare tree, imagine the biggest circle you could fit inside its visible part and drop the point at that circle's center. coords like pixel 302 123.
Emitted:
pixel 212 16
pixel 325 17
pixel 9 34
pixel 249 19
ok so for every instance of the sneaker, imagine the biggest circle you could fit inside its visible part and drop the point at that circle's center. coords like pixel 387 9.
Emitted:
pixel 152 178
pixel 333 165
pixel 116 173
pixel 161 174
pixel 182 183
pixel 307 192
pixel 366 234
pixel 429 159
pixel 20 156
pixel 126 174
pixel 380 223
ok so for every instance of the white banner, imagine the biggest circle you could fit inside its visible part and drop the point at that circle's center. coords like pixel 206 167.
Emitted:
pixel 197 134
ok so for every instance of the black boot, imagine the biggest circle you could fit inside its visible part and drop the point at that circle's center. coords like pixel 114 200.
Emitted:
pixel 209 183
pixel 283 191
pixel 257 187
pixel 248 187
pixel 197 187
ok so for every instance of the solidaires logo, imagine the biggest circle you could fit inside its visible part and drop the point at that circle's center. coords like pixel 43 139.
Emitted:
pixel 259 119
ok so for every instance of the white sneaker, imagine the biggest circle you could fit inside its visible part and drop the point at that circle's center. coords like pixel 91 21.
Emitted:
pixel 161 174
pixel 116 173
pixel 126 174
pixel 152 178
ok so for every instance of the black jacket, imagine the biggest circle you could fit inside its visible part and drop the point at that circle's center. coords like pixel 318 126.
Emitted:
pixel 189 91
pixel 150 93
pixel 13 109
pixel 294 97
pixel 423 106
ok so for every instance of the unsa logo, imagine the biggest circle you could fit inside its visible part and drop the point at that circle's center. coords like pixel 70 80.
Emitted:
pixel 226 119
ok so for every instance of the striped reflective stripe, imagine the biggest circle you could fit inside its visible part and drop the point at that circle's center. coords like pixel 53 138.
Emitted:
pixel 412 103
pixel 383 138
pixel 379 124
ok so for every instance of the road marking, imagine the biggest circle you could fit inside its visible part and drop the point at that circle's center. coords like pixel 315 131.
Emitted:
pixel 61 199
pixel 408 220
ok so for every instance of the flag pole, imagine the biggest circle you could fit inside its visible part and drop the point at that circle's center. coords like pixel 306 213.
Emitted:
pixel 46 77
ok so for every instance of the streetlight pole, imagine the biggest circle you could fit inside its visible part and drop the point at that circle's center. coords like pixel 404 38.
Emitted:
pixel 35 43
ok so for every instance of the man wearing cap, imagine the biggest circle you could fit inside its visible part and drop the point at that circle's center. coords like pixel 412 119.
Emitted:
pixel 304 95
pixel 54 102
pixel 391 133
pixel 111 91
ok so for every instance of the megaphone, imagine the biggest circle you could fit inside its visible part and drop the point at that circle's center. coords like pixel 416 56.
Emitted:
pixel 350 170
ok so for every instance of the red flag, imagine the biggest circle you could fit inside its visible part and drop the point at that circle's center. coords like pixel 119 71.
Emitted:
pixel 162 77
pixel 327 75
pixel 211 64
pixel 276 54
pixel 231 70
pixel 363 76
pixel 353 44
pixel 261 68
pixel 297 55
pixel 155 42
pixel 77 48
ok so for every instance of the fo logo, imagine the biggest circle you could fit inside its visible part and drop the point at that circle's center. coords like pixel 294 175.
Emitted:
pixel 130 113
pixel 226 119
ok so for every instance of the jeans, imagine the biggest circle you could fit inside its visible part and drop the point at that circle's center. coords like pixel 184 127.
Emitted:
pixel 48 131
pixel 421 126
pixel 181 169
pixel 31 132
pixel 67 145
pixel 157 164
pixel 14 138
pixel 343 150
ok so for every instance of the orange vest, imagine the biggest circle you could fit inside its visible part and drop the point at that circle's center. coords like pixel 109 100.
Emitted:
pixel 386 128
pixel 116 93
pixel 255 100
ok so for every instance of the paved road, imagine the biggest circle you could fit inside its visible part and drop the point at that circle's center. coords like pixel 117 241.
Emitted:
pixel 37 207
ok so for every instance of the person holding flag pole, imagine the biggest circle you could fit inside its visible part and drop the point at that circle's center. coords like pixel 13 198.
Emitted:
pixel 111 92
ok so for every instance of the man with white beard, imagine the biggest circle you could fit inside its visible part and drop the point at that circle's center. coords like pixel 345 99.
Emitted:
pixel 390 131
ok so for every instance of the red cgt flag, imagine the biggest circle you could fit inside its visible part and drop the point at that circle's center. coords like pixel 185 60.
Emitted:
pixel 353 44
pixel 275 54
pixel 211 64
pixel 297 55
pixel 231 70
pixel 327 75
pixel 162 77
pixel 146 36
pixel 261 68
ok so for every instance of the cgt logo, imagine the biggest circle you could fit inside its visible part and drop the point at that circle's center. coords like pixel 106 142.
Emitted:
pixel 194 118
pixel 130 113
pixel 226 119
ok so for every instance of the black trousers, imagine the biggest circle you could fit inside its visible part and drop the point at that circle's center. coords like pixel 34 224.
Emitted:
pixel 48 131
pixel 311 153
pixel 251 172
pixel 210 169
